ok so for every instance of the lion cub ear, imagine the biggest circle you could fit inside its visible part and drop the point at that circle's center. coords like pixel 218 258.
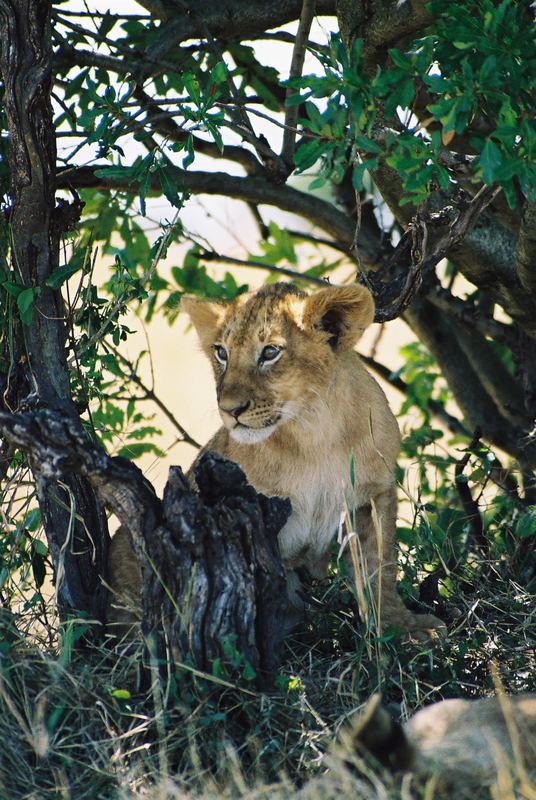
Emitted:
pixel 342 312
pixel 206 316
pixel 377 733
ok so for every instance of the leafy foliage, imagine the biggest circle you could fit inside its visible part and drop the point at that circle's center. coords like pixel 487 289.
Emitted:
pixel 448 109
pixel 465 76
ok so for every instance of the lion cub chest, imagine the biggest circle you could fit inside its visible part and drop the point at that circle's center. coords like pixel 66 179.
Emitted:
pixel 317 493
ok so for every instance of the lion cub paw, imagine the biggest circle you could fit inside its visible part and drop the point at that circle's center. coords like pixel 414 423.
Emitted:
pixel 424 627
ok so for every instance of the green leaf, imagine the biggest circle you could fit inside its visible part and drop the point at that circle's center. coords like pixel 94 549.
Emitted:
pixel 317 183
pixel 189 146
pixel 108 22
pixel 364 143
pixel 526 524
pixel 169 187
pixel 248 673
pixel 38 568
pixel 39 547
pixel 219 73
pixel 14 289
pixel 191 85
pixel 137 449
pixel 25 302
pixel 308 154
pixel 61 274
pixel 402 61
pixel 490 160
pixel 359 170
pixel 121 694
pixel 405 93
pixel 32 522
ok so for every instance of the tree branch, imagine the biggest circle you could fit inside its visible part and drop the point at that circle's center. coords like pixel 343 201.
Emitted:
pixel 74 520
pixel 483 256
pixel 250 189
pixel 470 316
pixel 296 66
pixel 209 255
pixel 67 56
pixel 498 382
pixel 381 25
pixel 435 409
pixel 150 395
pixel 425 251
pixel 435 330
pixel 470 506
pixel 242 17
pixel 164 123
pixel 189 609
pixel 498 474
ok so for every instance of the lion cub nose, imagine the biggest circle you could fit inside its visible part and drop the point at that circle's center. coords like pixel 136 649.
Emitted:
pixel 237 410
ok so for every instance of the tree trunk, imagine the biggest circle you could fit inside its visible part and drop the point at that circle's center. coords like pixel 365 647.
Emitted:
pixel 73 518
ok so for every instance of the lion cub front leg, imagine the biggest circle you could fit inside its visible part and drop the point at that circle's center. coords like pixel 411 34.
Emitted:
pixel 375 525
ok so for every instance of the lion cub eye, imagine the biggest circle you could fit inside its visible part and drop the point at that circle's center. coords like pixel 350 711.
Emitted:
pixel 221 353
pixel 269 353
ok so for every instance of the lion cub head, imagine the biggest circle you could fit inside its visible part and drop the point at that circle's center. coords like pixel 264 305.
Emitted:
pixel 274 351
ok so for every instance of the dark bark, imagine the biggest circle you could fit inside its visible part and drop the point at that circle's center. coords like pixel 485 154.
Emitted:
pixel 78 547
pixel 216 554
pixel 210 561
pixel 227 19
pixel 380 24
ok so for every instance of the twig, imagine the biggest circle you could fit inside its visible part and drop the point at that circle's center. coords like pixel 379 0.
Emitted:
pixel 121 302
pixel 296 66
pixel 150 395
pixel 250 189
pixel 165 123
pixel 270 159
pixel 208 255
pixel 470 506
pixel 434 408
pixel 376 341
pixel 308 237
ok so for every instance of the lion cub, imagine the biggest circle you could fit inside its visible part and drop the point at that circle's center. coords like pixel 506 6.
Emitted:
pixel 297 406
pixel 465 744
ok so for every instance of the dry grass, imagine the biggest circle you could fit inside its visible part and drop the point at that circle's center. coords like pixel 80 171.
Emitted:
pixel 81 725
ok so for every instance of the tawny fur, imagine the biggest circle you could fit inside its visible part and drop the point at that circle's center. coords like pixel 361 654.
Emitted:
pixel 305 414
pixel 466 744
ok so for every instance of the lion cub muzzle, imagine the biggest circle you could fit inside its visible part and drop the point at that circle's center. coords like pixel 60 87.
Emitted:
pixel 249 421
pixel 248 416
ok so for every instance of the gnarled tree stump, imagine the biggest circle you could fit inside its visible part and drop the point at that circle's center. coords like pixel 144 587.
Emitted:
pixel 211 570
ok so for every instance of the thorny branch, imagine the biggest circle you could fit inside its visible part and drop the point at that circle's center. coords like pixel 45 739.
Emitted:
pixel 209 255
pixel 470 316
